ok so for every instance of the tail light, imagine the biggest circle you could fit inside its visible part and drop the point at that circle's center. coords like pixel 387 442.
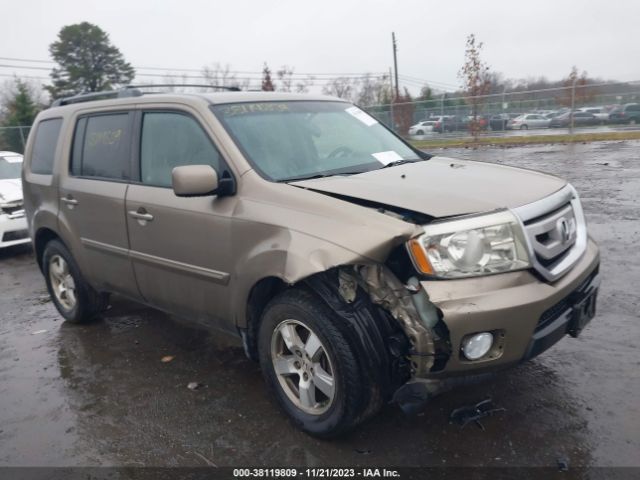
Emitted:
pixel 437 125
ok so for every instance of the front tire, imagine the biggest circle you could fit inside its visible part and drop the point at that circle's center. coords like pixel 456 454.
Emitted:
pixel 74 298
pixel 310 366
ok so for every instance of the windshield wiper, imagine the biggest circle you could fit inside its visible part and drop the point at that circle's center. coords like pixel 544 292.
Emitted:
pixel 395 163
pixel 318 175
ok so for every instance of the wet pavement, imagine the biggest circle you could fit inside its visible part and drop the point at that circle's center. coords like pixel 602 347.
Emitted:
pixel 99 394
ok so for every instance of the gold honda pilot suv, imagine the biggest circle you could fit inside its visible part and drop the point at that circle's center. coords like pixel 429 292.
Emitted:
pixel 356 269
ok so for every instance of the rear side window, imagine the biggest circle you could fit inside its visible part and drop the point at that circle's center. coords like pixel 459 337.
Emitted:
pixel 44 146
pixel 171 139
pixel 101 147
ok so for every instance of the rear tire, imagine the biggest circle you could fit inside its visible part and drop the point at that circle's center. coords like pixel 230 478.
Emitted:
pixel 524 127
pixel 302 314
pixel 74 298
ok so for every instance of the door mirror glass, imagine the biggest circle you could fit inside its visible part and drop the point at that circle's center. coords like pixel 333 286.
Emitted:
pixel 194 181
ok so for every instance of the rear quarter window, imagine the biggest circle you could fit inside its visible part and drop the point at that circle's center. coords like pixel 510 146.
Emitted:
pixel 44 146
pixel 101 146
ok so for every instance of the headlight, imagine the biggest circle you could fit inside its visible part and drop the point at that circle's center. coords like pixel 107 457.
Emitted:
pixel 471 246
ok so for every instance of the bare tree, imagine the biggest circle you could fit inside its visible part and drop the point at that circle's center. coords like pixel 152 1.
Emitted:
pixel 172 80
pixel 403 108
pixel 576 86
pixel 476 81
pixel 267 83
pixel 287 82
pixel 302 86
pixel 285 77
pixel 216 74
pixel 342 87
pixel 372 90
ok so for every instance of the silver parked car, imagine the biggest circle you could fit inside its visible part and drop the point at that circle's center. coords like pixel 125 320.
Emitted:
pixel 529 120
pixel 601 113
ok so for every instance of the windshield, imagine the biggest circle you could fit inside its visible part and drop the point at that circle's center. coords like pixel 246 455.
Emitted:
pixel 10 166
pixel 301 139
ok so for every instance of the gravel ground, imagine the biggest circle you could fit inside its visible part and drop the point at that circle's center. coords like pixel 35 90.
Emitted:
pixel 99 394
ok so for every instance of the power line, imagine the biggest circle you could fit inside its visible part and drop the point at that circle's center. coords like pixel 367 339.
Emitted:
pixel 229 77
pixel 13 59
pixel 199 70
pixel 24 67
pixel 23 76
pixel 424 81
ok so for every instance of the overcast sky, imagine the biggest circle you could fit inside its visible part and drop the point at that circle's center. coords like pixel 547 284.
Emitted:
pixel 521 39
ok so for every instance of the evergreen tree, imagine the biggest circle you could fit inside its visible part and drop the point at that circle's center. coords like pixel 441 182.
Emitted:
pixel 87 62
pixel 20 110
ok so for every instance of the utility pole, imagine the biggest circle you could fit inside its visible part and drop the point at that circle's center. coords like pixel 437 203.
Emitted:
pixel 395 62
pixel 573 103
pixel 393 125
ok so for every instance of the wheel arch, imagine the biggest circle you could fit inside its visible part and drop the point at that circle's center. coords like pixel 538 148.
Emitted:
pixel 40 240
pixel 259 296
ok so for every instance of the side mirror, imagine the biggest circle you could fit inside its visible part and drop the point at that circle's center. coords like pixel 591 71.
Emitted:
pixel 194 181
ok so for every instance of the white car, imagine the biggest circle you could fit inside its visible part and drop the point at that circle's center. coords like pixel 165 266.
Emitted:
pixel 13 223
pixel 422 128
pixel 529 120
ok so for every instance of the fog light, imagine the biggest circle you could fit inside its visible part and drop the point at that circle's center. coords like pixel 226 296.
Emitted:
pixel 476 346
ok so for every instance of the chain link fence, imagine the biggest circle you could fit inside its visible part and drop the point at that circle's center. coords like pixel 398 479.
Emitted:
pixel 601 100
pixel 605 101
pixel 14 139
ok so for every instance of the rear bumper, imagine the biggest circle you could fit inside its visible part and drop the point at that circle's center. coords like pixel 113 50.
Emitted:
pixel 524 313
pixel 13 230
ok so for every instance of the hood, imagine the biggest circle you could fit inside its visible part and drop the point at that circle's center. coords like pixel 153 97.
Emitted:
pixel 442 187
pixel 10 190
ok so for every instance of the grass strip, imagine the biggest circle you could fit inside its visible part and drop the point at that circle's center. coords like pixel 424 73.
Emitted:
pixel 526 140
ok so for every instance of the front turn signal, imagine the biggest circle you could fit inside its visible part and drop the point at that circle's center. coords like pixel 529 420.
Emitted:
pixel 420 257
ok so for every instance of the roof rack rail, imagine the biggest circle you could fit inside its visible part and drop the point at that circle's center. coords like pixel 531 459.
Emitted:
pixel 152 85
pixel 130 91
pixel 88 97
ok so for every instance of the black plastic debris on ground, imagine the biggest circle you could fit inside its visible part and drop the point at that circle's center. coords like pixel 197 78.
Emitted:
pixel 474 413
pixel 563 464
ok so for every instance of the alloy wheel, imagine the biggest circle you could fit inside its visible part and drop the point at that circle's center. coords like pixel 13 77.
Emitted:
pixel 303 367
pixel 62 283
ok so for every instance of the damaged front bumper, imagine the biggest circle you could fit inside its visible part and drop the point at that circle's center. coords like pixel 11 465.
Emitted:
pixel 526 315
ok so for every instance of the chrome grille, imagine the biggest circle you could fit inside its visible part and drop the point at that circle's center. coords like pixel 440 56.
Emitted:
pixel 553 234
pixel 555 231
